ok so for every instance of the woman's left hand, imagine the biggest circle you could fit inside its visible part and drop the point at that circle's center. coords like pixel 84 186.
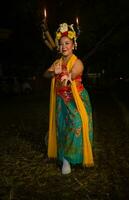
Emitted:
pixel 66 79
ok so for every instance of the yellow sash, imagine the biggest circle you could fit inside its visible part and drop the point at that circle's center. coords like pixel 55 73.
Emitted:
pixel 52 139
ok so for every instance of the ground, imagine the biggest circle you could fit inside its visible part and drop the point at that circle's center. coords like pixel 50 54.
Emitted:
pixel 27 174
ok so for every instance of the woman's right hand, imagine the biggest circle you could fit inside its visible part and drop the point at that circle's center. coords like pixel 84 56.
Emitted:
pixel 58 67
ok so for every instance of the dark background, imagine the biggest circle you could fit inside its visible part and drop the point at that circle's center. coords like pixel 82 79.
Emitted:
pixel 103 43
pixel 26 173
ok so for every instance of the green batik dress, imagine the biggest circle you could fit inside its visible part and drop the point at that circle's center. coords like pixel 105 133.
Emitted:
pixel 68 121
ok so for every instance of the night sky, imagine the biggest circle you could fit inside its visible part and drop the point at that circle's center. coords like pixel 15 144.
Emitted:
pixel 103 42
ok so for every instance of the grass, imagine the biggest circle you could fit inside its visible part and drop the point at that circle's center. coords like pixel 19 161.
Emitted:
pixel 27 174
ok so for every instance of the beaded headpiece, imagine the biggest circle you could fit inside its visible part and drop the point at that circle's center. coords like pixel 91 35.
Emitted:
pixel 66 30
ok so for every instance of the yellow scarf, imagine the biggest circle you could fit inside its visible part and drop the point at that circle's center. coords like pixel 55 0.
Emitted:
pixel 52 137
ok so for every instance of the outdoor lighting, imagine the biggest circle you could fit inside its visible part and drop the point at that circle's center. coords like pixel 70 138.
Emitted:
pixel 45 14
pixel 46 35
pixel 78 27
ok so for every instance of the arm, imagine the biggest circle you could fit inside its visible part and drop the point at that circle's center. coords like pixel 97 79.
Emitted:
pixel 54 69
pixel 77 69
pixel 49 73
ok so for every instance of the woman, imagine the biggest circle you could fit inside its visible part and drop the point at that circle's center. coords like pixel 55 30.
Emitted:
pixel 70 120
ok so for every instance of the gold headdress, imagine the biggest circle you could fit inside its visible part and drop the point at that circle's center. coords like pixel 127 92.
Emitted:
pixel 66 30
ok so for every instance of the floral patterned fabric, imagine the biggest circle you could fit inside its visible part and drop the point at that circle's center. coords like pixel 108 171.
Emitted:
pixel 69 124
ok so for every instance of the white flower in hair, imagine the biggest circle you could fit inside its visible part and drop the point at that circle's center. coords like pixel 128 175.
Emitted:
pixel 63 27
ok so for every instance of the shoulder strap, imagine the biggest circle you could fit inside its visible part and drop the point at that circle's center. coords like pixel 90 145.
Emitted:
pixel 71 62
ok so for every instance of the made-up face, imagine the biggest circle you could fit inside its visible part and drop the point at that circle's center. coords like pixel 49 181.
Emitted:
pixel 66 46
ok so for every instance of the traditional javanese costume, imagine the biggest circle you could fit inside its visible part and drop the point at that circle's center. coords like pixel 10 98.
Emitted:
pixel 70 120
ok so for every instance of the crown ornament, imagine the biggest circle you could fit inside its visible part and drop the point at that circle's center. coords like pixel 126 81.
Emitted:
pixel 66 30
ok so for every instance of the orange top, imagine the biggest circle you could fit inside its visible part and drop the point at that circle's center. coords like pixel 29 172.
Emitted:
pixel 65 91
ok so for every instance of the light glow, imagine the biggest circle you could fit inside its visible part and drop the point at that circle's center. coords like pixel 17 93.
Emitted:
pixel 77 21
pixel 45 13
